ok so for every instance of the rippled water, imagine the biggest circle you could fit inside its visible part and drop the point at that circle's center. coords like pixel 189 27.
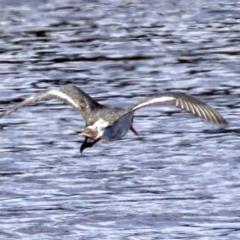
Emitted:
pixel 180 180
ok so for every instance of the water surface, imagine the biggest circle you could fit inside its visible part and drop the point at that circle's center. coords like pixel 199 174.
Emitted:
pixel 180 180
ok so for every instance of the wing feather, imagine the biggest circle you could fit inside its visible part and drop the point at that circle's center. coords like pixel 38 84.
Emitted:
pixel 188 103
pixel 68 94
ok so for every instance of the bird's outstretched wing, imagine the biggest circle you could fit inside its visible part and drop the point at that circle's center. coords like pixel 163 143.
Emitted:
pixel 68 94
pixel 188 103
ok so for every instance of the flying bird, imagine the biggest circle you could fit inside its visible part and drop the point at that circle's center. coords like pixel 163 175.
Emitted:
pixel 111 123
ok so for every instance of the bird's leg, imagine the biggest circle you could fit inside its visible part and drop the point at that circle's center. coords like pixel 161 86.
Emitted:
pixel 134 130
pixel 87 144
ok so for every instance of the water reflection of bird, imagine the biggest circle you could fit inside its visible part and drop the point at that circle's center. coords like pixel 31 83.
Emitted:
pixel 107 123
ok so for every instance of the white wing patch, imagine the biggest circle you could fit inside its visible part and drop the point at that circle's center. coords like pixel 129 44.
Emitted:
pixel 154 100
pixel 63 96
pixel 100 123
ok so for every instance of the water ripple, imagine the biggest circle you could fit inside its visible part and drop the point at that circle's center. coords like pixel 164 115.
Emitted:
pixel 179 180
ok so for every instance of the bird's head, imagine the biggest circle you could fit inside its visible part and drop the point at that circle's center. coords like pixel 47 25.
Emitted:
pixel 96 130
pixel 90 132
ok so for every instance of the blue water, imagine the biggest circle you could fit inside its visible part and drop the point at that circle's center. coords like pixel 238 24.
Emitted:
pixel 180 180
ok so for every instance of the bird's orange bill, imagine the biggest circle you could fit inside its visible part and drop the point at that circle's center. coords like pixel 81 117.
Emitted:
pixel 134 130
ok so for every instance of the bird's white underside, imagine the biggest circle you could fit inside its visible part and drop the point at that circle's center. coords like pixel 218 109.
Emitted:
pixel 118 129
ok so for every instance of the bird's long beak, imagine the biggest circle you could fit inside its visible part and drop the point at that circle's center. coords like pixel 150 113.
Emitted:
pixel 134 130
pixel 75 132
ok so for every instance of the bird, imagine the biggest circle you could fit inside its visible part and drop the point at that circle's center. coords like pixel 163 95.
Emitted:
pixel 112 123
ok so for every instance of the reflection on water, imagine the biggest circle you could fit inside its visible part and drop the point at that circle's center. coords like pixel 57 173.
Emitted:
pixel 180 180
